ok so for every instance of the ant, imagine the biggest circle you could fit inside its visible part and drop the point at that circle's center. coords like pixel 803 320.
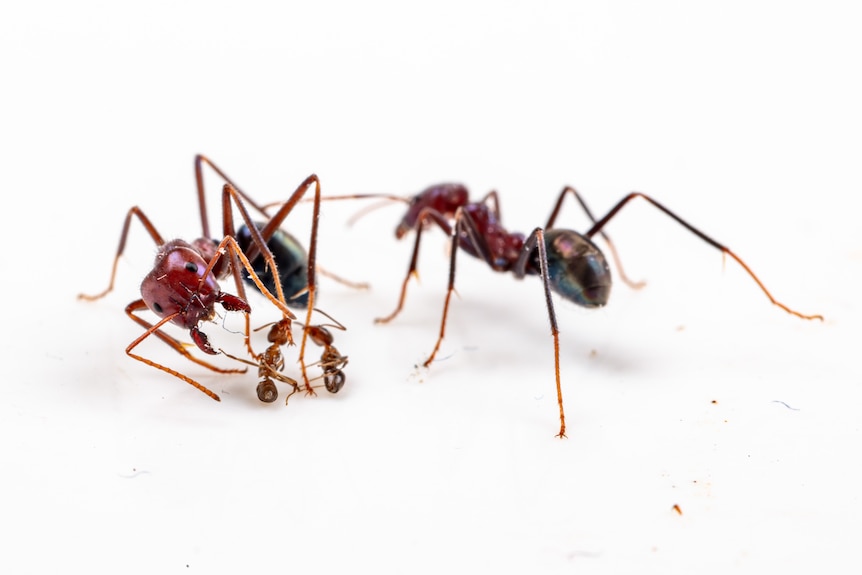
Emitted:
pixel 331 360
pixel 182 287
pixel 271 362
pixel 568 262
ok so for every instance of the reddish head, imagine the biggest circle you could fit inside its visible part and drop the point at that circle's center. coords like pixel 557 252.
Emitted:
pixel 176 285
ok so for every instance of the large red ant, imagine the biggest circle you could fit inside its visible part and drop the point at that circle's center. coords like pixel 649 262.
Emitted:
pixel 568 262
pixel 183 286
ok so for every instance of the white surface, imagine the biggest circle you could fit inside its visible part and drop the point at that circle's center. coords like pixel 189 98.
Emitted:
pixel 744 119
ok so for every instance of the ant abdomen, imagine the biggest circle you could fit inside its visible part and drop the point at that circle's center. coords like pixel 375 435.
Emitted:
pixel 266 391
pixel 577 269
pixel 292 262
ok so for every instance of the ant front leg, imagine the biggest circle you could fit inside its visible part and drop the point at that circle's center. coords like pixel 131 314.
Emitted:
pixel 602 222
pixel 176 345
pixel 427 214
pixel 464 227
pixel 145 221
pixel 589 213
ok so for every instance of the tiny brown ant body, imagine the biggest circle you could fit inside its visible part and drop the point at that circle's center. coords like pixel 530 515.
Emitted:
pixel 331 361
pixel 183 286
pixel 271 362
pixel 568 262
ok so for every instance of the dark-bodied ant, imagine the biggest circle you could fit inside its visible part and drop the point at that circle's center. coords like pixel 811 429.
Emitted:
pixel 271 362
pixel 183 286
pixel 568 262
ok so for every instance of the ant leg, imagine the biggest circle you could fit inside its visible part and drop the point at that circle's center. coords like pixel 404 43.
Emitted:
pixel 437 217
pixel 156 329
pixel 411 272
pixel 134 211
pixel 463 223
pixel 229 245
pixel 601 223
pixel 613 249
pixel 177 345
pixel 229 194
pixel 343 281
pixel 260 237
pixel 536 240
pixel 200 159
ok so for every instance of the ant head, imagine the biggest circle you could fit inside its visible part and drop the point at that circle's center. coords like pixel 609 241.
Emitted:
pixel 320 335
pixel 442 198
pixel 176 285
pixel 279 333
pixel 577 269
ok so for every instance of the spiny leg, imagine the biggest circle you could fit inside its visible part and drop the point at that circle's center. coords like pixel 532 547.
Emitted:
pixel 259 245
pixel 411 272
pixel 426 215
pixel 537 240
pixel 230 194
pixel 134 211
pixel 463 223
pixel 343 281
pixel 156 329
pixel 199 180
pixel 602 222
pixel 450 288
pixel 175 344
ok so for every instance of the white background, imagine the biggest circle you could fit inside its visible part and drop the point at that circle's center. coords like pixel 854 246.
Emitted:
pixel 744 118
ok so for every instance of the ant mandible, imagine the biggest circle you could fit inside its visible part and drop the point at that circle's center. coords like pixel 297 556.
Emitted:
pixel 183 286
pixel 568 262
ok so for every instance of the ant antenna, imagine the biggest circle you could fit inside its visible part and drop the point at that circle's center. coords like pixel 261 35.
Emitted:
pixel 336 324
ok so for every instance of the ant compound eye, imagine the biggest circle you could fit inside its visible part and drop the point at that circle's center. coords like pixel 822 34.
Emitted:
pixel 191 267
pixel 157 308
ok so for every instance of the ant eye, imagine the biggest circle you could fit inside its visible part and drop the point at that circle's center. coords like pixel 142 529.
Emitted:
pixel 157 308
pixel 191 267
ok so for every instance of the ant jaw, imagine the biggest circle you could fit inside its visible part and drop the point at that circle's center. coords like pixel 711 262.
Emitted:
pixel 202 341
pixel 233 303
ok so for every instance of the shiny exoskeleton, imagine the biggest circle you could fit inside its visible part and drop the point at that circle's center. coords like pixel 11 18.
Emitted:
pixel 286 258
pixel 183 286
pixel 568 262
pixel 270 363
pixel 331 361
pixel 292 262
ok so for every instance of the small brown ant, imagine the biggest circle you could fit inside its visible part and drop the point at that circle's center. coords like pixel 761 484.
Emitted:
pixel 271 362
